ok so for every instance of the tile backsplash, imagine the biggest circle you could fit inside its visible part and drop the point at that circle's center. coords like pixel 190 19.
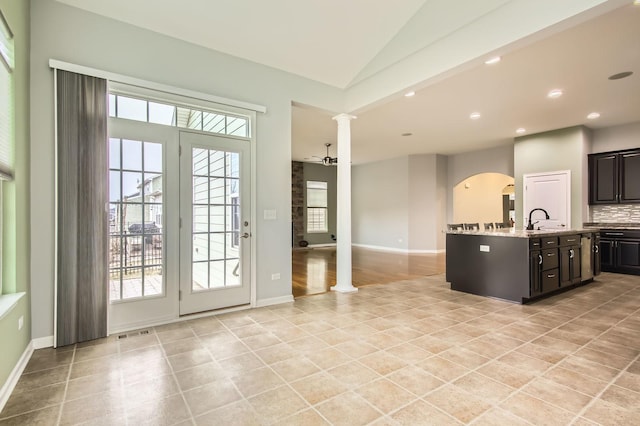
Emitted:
pixel 615 213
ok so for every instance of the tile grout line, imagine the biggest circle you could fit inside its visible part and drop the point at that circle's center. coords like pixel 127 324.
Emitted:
pixel 66 385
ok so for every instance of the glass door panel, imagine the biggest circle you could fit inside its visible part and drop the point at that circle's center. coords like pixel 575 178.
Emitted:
pixel 215 236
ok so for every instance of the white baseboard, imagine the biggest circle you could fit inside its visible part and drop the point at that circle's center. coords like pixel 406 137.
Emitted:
pixel 398 250
pixel 321 245
pixel 42 342
pixel 274 301
pixel 12 380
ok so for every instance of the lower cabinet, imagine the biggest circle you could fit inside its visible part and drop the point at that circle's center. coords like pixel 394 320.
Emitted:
pixel 554 262
pixel 543 266
pixel 570 260
pixel 620 251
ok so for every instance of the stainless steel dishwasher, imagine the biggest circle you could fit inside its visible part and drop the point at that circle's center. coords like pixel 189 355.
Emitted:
pixel 586 249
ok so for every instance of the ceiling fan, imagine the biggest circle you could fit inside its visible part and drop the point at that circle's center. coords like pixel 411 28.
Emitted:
pixel 327 160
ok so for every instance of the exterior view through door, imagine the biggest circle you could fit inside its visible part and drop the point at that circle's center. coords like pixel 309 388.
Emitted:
pixel 179 211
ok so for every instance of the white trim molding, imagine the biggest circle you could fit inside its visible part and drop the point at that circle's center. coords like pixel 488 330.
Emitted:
pixel 12 380
pixel 274 301
pixel 398 250
pixel 42 342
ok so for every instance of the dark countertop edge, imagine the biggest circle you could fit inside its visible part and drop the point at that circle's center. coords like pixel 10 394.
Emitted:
pixel 523 233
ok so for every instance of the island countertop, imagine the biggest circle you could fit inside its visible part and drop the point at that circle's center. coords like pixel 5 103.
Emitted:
pixel 523 233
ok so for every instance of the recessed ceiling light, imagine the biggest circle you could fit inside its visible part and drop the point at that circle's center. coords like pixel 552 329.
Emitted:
pixel 521 130
pixel 407 134
pixel 474 115
pixel 593 115
pixel 493 60
pixel 410 94
pixel 555 93
pixel 620 75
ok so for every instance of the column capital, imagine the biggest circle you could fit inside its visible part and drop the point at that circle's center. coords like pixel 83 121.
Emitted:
pixel 344 116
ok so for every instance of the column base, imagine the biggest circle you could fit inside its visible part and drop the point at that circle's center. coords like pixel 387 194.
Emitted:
pixel 344 289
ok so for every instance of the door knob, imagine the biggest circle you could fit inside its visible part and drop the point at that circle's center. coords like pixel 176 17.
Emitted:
pixel 245 235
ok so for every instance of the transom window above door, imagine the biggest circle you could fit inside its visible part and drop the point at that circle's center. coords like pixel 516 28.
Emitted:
pixel 186 117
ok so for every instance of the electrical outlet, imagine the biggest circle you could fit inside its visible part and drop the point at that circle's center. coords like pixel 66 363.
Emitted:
pixel 275 276
pixel 20 322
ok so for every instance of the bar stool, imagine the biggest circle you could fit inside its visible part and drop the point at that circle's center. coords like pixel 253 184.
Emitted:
pixel 472 226
pixel 455 227
pixel 488 226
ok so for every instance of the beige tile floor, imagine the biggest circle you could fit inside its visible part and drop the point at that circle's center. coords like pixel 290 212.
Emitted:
pixel 410 352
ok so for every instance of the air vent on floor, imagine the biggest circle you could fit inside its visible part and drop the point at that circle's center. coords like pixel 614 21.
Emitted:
pixel 133 334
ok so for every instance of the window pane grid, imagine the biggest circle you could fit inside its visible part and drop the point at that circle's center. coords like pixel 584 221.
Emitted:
pixel 317 207
pixel 137 109
pixel 135 217
pixel 216 224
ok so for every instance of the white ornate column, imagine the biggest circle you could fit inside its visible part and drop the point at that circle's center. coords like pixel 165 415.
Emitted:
pixel 343 245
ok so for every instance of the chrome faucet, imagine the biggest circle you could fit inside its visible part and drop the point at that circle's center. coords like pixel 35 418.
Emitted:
pixel 530 225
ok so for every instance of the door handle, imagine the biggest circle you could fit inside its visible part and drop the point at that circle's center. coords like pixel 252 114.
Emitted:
pixel 245 235
pixel 539 259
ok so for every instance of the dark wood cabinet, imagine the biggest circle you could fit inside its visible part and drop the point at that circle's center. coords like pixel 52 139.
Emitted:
pixel 543 266
pixel 620 251
pixel 614 177
pixel 630 177
pixel 569 255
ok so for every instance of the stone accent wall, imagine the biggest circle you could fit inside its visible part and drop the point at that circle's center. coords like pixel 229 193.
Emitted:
pixel 297 201
pixel 615 213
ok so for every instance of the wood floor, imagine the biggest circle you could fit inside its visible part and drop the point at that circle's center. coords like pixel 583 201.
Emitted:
pixel 314 269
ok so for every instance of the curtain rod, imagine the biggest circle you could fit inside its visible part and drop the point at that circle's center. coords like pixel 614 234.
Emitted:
pixel 120 78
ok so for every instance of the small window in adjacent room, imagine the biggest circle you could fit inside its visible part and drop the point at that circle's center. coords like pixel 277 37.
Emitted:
pixel 317 207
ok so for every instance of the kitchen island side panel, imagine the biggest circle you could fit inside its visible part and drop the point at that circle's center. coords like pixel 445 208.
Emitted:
pixel 493 266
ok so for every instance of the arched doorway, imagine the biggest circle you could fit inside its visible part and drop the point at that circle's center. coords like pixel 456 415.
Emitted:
pixel 479 198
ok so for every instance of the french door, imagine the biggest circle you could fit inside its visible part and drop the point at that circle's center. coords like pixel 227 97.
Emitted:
pixel 215 232
pixel 179 223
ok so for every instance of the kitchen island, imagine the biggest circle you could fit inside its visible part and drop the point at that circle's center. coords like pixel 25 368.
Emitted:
pixel 519 265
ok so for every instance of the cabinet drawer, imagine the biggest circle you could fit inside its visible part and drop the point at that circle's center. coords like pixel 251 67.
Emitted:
pixel 534 244
pixel 548 242
pixel 549 259
pixel 550 280
pixel 569 240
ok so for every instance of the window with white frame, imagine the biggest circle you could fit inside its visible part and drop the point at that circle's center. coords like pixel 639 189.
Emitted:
pixel 6 114
pixel 183 116
pixel 317 212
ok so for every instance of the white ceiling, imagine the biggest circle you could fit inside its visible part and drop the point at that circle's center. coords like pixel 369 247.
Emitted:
pixel 509 95
pixel 357 44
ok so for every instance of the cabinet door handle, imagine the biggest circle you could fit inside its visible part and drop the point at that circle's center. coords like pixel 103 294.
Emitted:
pixel 571 253
pixel 550 254
pixel 596 249
pixel 551 275
pixel 571 240
pixel 539 259
pixel 550 242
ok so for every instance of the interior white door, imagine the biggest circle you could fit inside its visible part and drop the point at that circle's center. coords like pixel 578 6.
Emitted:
pixel 215 233
pixel 550 191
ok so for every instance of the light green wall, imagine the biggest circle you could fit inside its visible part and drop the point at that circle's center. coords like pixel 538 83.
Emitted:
pixel 563 149
pixel 15 273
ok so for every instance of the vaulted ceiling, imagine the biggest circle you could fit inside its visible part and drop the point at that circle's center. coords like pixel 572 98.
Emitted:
pixel 376 50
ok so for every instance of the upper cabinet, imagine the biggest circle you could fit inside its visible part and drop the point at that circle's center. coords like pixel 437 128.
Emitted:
pixel 614 177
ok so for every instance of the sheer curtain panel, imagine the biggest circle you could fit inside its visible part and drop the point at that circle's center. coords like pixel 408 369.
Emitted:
pixel 82 219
